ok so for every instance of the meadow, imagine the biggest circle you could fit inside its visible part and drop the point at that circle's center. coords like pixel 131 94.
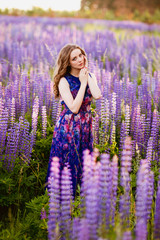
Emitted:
pixel 120 193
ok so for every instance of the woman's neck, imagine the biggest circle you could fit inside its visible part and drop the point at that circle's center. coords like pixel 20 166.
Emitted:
pixel 75 72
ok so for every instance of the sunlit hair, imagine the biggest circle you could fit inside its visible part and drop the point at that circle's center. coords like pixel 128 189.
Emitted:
pixel 63 65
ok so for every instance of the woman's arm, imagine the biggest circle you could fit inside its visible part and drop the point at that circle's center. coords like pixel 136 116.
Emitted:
pixel 92 83
pixel 64 89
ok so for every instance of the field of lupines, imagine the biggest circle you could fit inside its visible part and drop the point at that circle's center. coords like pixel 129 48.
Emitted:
pixel 120 193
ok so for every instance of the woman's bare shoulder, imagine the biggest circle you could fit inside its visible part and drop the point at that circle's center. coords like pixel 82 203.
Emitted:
pixel 63 83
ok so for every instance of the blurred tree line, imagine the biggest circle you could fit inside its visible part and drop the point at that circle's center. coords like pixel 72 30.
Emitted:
pixel 146 11
pixel 122 6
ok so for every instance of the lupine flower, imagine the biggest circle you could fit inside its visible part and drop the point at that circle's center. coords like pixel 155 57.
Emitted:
pixel 141 201
pixel 127 235
pixel 12 145
pixel 3 130
pixel 96 129
pixel 150 193
pixel 126 158
pixel 66 198
pixel 149 151
pixel 92 205
pixel 107 114
pixel 123 134
pixel 24 140
pixel 44 121
pixel 54 110
pixel 113 133
pixel 85 179
pixel 157 214
pixel 54 201
pixel 113 106
pixel 102 132
pixel 154 130
pixel 23 105
pixel 114 184
pixel 105 190
pixel 83 232
pixel 127 119
pixel 12 112
pixel 35 117
pixel 43 214
pixel 75 228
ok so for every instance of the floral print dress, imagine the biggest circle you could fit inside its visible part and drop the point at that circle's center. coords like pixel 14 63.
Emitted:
pixel 73 134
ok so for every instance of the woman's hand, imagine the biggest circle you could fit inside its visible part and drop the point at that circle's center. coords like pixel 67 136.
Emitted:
pixel 83 76
pixel 85 62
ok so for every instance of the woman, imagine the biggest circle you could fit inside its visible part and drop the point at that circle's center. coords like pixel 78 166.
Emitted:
pixel 73 130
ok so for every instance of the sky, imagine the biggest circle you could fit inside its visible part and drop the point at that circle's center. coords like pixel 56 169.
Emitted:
pixel 60 5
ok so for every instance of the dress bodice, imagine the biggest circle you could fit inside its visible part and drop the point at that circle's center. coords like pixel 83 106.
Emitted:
pixel 74 84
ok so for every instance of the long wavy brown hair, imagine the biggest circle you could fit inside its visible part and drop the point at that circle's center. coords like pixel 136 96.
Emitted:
pixel 62 66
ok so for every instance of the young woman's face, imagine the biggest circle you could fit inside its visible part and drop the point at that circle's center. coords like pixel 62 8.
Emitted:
pixel 77 59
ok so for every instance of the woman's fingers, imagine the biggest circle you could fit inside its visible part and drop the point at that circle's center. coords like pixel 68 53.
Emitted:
pixel 85 62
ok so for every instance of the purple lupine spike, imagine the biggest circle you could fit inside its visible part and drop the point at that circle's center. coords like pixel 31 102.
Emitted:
pixel 3 130
pixel 149 151
pixel 96 129
pixel 59 107
pixel 1 107
pixel 113 132
pixel 43 214
pixel 98 106
pixel 123 134
pixel 12 144
pixel 142 133
pixel 157 214
pixel 44 121
pixel 75 228
pixel 84 232
pixel 150 193
pixel 107 114
pixel 141 201
pixel 127 119
pixel 54 110
pixel 127 235
pixel 24 140
pixel 155 129
pixel 117 90
pixel 105 190
pixel 136 123
pixel 54 199
pixel 87 161
pixel 66 198
pixel 126 158
pixel 23 104
pixel 102 131
pixel 147 126
pixel 92 205
pixel 26 135
pixel 113 106
pixel 12 112
pixel 35 118
pixel 114 184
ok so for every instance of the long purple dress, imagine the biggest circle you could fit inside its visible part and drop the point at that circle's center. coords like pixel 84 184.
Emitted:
pixel 73 134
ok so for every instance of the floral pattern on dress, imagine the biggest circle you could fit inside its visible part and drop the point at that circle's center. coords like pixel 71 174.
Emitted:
pixel 73 134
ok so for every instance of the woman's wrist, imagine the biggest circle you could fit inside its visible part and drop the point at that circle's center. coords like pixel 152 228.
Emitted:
pixel 83 84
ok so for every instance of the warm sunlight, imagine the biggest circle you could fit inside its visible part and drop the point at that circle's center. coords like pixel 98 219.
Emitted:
pixel 60 5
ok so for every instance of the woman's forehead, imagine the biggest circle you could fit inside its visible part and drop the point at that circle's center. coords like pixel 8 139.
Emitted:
pixel 75 52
